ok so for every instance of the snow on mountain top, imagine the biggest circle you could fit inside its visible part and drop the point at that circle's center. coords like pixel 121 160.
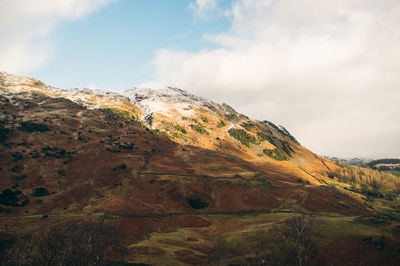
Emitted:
pixel 8 79
pixel 161 100
pixel 169 93
pixel 86 95
pixel 92 99
pixel 164 100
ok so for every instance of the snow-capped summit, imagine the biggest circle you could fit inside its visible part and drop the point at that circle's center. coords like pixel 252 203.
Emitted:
pixel 170 98
pixel 92 99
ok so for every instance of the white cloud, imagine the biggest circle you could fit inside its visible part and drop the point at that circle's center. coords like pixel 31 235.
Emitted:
pixel 202 7
pixel 25 26
pixel 328 70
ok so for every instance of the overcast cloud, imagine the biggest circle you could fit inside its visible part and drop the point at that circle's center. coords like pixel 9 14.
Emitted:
pixel 26 25
pixel 327 70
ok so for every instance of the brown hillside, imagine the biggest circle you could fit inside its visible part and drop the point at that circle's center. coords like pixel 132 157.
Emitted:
pixel 65 165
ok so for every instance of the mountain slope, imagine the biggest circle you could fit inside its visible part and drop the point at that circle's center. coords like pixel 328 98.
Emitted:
pixel 70 157
pixel 192 120
pixel 68 139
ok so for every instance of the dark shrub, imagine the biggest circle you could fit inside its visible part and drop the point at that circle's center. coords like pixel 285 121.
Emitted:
pixel 40 192
pixel 33 127
pixel 20 177
pixel 10 198
pixel 250 126
pixel 287 148
pixel 197 202
pixel 57 152
pixel 262 137
pixel 275 154
pixel 122 167
pixel 263 179
pixel 112 150
pixel 17 168
pixel 181 129
pixel 4 132
pixel 116 115
pixel 199 128
pixel 221 124
pixel 242 136
pixel 17 156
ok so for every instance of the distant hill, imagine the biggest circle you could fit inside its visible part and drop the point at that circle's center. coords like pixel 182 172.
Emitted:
pixel 351 161
pixel 391 165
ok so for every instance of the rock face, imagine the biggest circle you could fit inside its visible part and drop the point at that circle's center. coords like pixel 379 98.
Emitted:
pixel 157 162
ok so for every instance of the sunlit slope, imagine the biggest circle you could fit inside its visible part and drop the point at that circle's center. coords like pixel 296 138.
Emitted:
pixel 188 119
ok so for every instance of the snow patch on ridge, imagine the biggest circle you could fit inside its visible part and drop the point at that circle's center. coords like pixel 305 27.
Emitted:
pixel 92 99
pixel 167 99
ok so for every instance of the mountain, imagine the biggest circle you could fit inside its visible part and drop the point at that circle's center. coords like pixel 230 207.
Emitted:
pixel 164 177
pixel 191 120
pixel 351 161
pixel 387 164
pixel 391 165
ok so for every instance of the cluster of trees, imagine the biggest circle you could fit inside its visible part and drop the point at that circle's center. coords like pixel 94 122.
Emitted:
pixel 364 176
pixel 77 243
pixel 290 243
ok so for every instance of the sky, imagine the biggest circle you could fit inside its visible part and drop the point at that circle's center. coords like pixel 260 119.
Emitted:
pixel 329 71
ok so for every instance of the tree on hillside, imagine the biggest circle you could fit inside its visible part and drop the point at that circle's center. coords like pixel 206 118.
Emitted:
pixel 84 243
pixel 301 230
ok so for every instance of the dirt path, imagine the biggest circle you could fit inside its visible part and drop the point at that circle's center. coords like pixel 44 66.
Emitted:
pixel 160 214
pixel 286 204
pixel 208 177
